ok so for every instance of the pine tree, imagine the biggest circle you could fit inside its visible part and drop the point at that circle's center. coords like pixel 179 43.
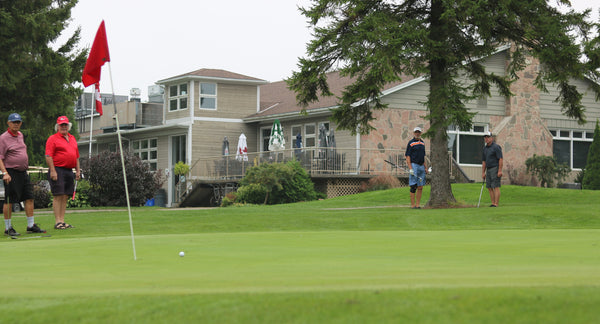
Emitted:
pixel 36 80
pixel 376 42
pixel 591 179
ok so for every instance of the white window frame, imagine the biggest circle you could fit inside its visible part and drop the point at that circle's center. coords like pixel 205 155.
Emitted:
pixel 566 135
pixel 294 134
pixel 145 153
pixel 452 130
pixel 207 95
pixel 179 96
pixel 308 136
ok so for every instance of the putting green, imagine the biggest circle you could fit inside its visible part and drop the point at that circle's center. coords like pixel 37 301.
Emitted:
pixel 301 261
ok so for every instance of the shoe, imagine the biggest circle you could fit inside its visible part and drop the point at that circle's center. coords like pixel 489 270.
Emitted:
pixel 35 229
pixel 493 206
pixel 11 232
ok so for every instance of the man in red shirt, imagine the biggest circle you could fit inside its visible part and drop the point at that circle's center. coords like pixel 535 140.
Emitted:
pixel 14 163
pixel 62 155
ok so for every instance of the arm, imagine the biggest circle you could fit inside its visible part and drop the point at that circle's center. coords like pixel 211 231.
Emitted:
pixel 5 176
pixel 483 169
pixel 77 171
pixel 500 164
pixel 51 168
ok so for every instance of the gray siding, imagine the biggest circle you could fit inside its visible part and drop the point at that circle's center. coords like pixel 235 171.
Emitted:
pixel 551 111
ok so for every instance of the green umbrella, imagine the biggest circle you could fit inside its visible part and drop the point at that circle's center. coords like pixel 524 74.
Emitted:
pixel 277 141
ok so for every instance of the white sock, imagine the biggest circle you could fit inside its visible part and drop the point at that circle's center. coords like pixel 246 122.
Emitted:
pixel 7 223
pixel 30 221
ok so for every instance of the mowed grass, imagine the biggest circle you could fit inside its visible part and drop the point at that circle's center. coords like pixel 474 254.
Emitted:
pixel 364 258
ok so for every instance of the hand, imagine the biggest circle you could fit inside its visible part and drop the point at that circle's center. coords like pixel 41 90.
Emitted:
pixel 483 175
pixel 411 172
pixel 499 174
pixel 6 177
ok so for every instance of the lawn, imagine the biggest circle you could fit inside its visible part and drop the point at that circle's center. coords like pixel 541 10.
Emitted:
pixel 365 258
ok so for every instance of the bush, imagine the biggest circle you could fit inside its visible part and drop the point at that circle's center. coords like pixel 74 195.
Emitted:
pixel 42 197
pixel 380 182
pixel 229 199
pixel 82 198
pixel 591 179
pixel 105 175
pixel 276 183
pixel 547 170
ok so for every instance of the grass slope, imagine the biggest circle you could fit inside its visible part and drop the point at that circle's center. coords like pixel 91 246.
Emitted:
pixel 354 259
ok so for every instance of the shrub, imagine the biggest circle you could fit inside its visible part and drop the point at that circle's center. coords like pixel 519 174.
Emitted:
pixel 82 198
pixel 591 179
pixel 380 182
pixel 276 183
pixel 105 175
pixel 229 199
pixel 252 193
pixel 42 197
pixel 547 169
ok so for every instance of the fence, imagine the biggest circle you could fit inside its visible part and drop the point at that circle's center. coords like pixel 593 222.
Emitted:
pixel 316 161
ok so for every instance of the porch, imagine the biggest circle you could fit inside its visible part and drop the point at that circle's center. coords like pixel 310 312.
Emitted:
pixel 334 171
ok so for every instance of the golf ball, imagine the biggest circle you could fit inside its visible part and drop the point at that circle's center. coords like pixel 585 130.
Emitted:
pixel 181 253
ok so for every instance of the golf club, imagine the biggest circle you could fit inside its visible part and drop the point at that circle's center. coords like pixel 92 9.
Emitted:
pixel 74 190
pixel 480 192
pixel 28 237
pixel 394 165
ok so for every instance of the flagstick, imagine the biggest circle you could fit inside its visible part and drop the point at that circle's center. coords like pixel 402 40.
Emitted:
pixel 122 161
pixel 92 120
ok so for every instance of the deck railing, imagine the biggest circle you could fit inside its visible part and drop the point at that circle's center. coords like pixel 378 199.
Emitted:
pixel 318 161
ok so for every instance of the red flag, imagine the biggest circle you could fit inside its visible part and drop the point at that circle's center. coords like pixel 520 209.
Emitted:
pixel 98 100
pixel 98 56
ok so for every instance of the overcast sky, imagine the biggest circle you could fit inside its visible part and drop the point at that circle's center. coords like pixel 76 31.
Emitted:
pixel 153 40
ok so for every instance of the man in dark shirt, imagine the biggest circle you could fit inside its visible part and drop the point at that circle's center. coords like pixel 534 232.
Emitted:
pixel 491 168
pixel 415 159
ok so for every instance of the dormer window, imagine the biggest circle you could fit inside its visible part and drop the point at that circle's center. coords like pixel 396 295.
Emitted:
pixel 178 97
pixel 208 96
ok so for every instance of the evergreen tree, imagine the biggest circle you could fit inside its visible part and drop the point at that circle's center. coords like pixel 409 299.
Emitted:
pixel 591 179
pixel 36 80
pixel 376 42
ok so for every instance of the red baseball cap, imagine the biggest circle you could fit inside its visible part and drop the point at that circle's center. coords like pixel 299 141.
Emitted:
pixel 62 120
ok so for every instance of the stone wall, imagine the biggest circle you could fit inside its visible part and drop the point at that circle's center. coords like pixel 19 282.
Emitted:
pixel 522 132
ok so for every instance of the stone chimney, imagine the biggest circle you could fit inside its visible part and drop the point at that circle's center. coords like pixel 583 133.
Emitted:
pixel 521 132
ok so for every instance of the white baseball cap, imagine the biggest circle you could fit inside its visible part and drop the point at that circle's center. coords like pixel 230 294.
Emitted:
pixel 418 129
pixel 487 134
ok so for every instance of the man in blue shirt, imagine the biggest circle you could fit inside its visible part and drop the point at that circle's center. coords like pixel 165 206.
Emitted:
pixel 491 168
pixel 415 159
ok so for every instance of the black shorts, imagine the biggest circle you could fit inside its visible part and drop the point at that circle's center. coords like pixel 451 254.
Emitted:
pixel 65 181
pixel 491 178
pixel 20 187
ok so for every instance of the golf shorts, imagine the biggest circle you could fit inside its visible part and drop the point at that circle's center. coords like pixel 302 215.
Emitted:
pixel 20 187
pixel 491 178
pixel 419 177
pixel 65 182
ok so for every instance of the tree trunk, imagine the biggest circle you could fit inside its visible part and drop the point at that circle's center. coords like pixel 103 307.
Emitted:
pixel 441 190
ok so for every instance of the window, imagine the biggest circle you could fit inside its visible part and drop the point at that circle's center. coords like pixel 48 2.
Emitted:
pixel 296 130
pixel 310 135
pixel 571 147
pixel 178 97
pixel 147 150
pixel 265 134
pixel 466 146
pixel 208 96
